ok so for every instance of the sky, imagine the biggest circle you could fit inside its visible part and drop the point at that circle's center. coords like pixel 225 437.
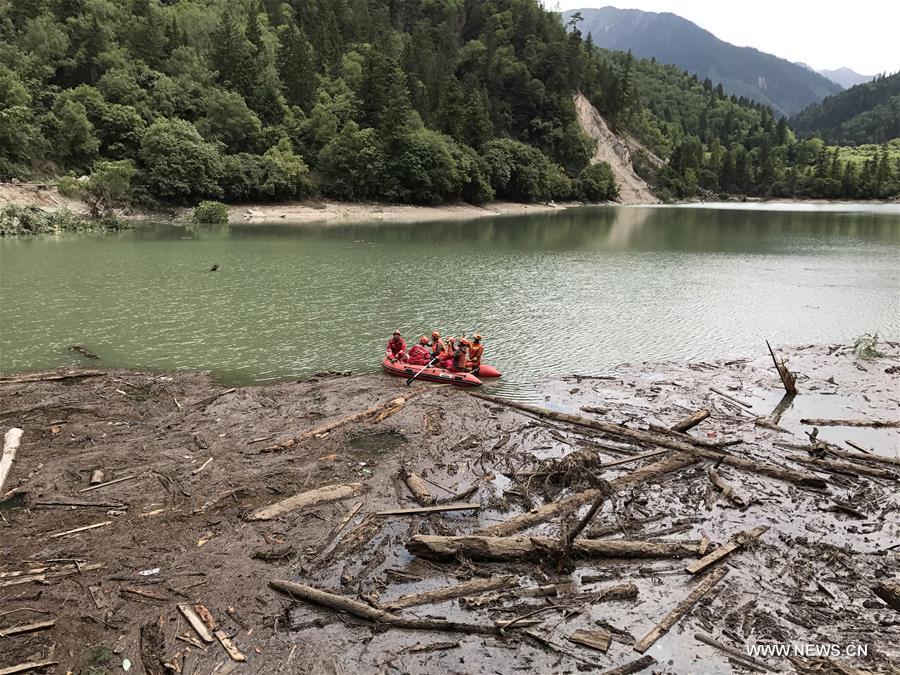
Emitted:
pixel 825 34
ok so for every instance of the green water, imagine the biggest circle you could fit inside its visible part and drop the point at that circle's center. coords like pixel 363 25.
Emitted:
pixel 573 291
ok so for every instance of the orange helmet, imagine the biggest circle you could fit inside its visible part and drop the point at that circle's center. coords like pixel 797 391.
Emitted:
pixel 423 340
pixel 477 337
pixel 435 334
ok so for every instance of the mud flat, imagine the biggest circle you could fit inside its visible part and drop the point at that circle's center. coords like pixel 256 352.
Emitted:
pixel 349 523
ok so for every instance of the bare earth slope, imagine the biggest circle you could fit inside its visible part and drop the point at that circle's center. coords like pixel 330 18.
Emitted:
pixel 614 150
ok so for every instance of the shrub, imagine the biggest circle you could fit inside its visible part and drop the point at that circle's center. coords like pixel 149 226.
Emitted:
pixel 866 347
pixel 596 183
pixel 279 174
pixel 424 168
pixel 210 213
pixel 29 220
pixel 520 172
pixel 353 164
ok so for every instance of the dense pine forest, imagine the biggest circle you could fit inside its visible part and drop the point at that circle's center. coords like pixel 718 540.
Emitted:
pixel 422 101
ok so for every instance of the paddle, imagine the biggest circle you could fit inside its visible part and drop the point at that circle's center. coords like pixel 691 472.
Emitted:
pixel 409 381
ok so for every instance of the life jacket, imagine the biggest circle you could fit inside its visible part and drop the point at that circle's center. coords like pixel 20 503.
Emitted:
pixel 396 347
pixel 459 360
pixel 419 355
pixel 438 348
pixel 475 352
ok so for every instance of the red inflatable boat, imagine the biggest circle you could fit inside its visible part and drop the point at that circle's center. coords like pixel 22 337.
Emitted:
pixel 435 374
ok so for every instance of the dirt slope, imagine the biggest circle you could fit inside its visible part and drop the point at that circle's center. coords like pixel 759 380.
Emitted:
pixel 615 150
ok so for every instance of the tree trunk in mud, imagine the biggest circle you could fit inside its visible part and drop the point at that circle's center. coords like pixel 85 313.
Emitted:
pixel 517 548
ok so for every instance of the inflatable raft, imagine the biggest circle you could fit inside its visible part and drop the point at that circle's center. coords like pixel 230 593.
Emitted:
pixel 435 374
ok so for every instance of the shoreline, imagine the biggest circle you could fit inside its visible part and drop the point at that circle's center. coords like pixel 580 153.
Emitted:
pixel 190 468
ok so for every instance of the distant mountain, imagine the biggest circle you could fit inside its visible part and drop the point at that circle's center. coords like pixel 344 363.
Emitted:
pixel 845 77
pixel 866 113
pixel 744 71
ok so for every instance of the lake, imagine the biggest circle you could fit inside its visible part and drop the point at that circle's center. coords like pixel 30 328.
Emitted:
pixel 573 291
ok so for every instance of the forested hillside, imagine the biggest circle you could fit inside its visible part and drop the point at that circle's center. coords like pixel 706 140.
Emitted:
pixel 404 100
pixel 765 78
pixel 866 113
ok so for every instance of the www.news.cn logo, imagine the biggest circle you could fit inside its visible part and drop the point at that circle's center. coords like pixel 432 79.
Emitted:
pixel 807 649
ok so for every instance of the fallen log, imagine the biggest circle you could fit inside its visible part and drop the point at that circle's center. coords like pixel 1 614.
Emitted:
pixel 844 454
pixel 647 437
pixel 457 591
pixel 363 611
pixel 734 653
pixel 417 486
pixel 889 592
pixel 691 420
pixel 52 376
pixel 549 590
pixel 737 541
pixel 395 404
pixel 467 506
pixel 322 495
pixel 575 501
pixel 25 667
pixel 877 424
pixel 771 470
pixel 681 609
pixel 27 628
pixel 10 446
pixel 517 548
pixel 631 667
pixel 843 467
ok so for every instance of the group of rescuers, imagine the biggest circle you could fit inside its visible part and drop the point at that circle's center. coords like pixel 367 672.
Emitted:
pixel 460 355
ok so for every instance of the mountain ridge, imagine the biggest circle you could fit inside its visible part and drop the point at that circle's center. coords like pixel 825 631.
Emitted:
pixel 744 71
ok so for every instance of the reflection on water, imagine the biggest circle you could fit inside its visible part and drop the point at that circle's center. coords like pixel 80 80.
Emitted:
pixel 573 291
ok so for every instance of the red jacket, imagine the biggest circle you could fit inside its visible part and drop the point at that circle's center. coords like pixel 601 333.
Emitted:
pixel 396 348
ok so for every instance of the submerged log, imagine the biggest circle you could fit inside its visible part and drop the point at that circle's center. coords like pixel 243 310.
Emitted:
pixel 322 495
pixel 363 611
pixel 877 424
pixel 517 548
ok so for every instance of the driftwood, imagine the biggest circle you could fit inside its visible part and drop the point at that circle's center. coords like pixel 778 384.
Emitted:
pixel 394 405
pixel 322 495
pixel 843 467
pixel 467 506
pixel 681 609
pixel 737 541
pixel 363 611
pixel 229 646
pixel 734 653
pixel 27 628
pixel 517 548
pixel 96 505
pixel 52 377
pixel 731 398
pixel 549 590
pixel 25 667
pixel 573 502
pixel 42 574
pixel 877 424
pixel 107 483
pixel 417 486
pixel 82 529
pixel 889 592
pixel 690 421
pixel 457 591
pixel 725 490
pixel 684 443
pixel 788 379
pixel 196 622
pixel 769 424
pixel 631 667
pixel 10 446
pixel 766 469
pixel 634 458
pixel 838 452
pixel 595 639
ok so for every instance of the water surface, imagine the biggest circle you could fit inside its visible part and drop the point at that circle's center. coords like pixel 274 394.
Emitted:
pixel 572 291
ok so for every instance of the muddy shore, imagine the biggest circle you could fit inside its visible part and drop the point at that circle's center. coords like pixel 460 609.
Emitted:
pixel 188 467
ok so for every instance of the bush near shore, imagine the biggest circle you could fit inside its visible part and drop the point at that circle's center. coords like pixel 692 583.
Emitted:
pixel 30 220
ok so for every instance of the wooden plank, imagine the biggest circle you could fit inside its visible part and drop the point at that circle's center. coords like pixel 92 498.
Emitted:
pixel 737 541
pixel 431 509
pixel 196 622
pixel 107 483
pixel 681 609
pixel 10 446
pixel 595 639
pixel 27 628
pixel 631 667
pixel 81 529
pixel 731 398
pixel 322 495
pixel 25 667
